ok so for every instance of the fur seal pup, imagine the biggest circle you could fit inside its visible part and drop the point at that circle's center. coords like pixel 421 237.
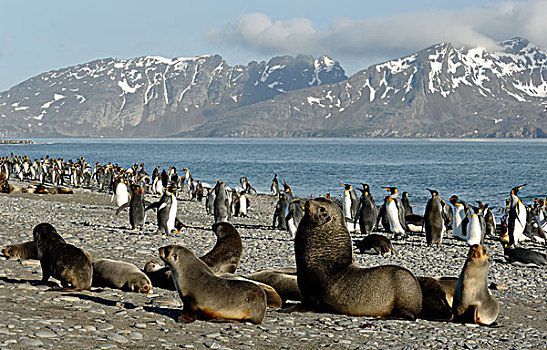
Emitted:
pixel 328 276
pixel 225 255
pixel 61 260
pixel 25 250
pixel 282 280
pixel 375 244
pixel 120 275
pixel 472 300
pixel 437 296
pixel 206 296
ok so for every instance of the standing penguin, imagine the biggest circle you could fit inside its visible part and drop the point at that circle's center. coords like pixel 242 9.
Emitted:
pixel 434 219
pixel 395 213
pixel 274 188
pixel 167 211
pixel 406 204
pixel 279 221
pixel 476 227
pixel 221 204
pixel 210 201
pixel 489 220
pixel 121 194
pixel 350 205
pixel 137 214
pixel 199 191
pixel 516 222
pixel 461 217
pixel 367 211
pixel 296 213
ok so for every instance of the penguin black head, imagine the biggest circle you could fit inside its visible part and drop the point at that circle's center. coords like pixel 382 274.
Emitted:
pixel 405 194
pixel 346 186
pixel 392 190
pixel 516 189
pixel 433 192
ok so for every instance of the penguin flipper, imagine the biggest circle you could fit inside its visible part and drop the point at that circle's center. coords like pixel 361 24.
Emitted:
pixel 122 207
pixel 153 206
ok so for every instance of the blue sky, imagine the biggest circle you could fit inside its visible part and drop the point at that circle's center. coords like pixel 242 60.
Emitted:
pixel 39 36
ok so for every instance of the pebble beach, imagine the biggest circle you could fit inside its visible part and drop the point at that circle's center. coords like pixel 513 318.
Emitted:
pixel 103 318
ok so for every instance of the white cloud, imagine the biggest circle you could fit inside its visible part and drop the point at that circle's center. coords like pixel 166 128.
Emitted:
pixel 375 39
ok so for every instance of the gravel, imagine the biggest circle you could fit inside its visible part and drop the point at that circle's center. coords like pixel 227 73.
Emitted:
pixel 33 317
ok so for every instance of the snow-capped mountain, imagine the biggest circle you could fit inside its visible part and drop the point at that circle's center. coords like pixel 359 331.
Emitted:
pixel 441 91
pixel 150 96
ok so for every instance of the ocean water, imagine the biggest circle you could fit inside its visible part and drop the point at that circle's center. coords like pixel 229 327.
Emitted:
pixel 473 169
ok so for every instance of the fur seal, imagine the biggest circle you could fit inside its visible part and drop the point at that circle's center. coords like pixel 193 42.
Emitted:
pixel 472 300
pixel 206 296
pixel 25 250
pixel 328 276
pixel 225 255
pixel 161 277
pixel 120 275
pixel 437 297
pixel 375 244
pixel 282 280
pixel 61 260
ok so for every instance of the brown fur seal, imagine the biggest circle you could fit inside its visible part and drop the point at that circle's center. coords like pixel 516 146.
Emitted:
pixel 437 295
pixel 472 300
pixel 61 260
pixel 206 296
pixel 225 255
pixel 273 299
pixel 329 278
pixel 282 280
pixel 120 275
pixel 161 277
pixel 25 250
pixel 375 244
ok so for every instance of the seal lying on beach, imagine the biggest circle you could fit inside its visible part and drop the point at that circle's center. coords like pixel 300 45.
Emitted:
pixel 120 275
pixel 161 277
pixel 25 250
pixel 329 278
pixel 282 280
pixel 61 260
pixel 206 296
pixel 472 300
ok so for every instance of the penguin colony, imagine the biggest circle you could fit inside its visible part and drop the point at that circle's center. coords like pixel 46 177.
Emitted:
pixel 436 298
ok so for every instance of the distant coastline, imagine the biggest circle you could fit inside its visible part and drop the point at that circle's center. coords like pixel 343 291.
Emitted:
pixel 15 142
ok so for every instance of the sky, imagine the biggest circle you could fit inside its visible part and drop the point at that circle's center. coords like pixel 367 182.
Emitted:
pixel 37 36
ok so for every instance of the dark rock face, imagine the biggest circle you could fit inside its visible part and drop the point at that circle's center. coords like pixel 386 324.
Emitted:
pixel 440 91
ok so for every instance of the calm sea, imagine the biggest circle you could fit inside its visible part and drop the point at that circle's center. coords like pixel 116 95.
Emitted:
pixel 473 169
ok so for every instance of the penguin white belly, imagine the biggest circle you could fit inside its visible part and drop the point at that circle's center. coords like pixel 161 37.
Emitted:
pixel 243 205
pixel 474 230
pixel 158 187
pixel 393 218
pixel 459 215
pixel 122 195
pixel 347 205
pixel 520 222
pixel 172 213
pixel 291 226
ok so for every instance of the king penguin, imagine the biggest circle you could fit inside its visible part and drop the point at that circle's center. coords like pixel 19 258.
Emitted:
pixel 279 218
pixel 367 211
pixel 137 215
pixel 350 205
pixel 406 204
pixel 434 219
pixel 476 227
pixel 295 215
pixel 395 213
pixel 167 210
pixel 489 220
pixel 516 221
pixel 274 188
pixel 461 217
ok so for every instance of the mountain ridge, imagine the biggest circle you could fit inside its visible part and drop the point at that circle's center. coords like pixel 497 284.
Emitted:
pixel 440 91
